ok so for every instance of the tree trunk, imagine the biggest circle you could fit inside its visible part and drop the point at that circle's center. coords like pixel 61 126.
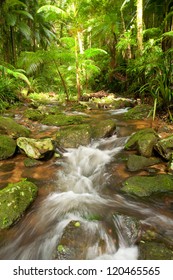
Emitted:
pixel 78 83
pixel 139 20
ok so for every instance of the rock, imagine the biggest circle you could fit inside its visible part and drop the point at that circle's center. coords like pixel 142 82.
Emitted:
pixel 75 242
pixel 130 227
pixel 10 127
pixel 34 148
pixel 147 185
pixel 62 120
pixel 138 112
pixel 14 200
pixel 165 147
pixel 136 162
pixel 143 141
pixel 103 128
pixel 31 162
pixel 7 147
pixel 73 137
pixel 33 114
pixel 154 251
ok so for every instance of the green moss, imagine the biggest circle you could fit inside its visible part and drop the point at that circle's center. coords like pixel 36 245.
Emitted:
pixel 14 199
pixel 7 147
pixel 62 120
pixel 10 127
pixel 138 112
pixel 146 185
pixel 103 128
pixel 74 136
pixel 33 114
pixel 143 141
pixel 154 251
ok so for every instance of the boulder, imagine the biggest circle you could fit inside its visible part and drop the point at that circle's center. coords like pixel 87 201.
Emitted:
pixel 7 147
pixel 139 112
pixel 35 148
pixel 62 120
pixel 143 141
pixel 14 200
pixel 103 128
pixel 74 136
pixel 165 147
pixel 33 114
pixel 136 162
pixel 10 127
pixel 143 186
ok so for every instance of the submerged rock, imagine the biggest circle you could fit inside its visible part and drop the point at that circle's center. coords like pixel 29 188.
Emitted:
pixel 34 148
pixel 14 200
pixel 31 162
pixel 136 162
pixel 147 185
pixel 143 141
pixel 73 137
pixel 76 241
pixel 7 147
pixel 10 127
pixel 165 147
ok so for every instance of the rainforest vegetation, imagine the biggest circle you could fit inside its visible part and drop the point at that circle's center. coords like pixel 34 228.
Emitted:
pixel 72 47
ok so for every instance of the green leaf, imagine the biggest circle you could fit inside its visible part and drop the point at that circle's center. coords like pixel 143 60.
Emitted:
pixel 168 34
pixel 24 13
pixel 51 12
pixel 24 29
pixel 92 52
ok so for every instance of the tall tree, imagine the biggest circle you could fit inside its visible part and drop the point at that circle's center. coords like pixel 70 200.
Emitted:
pixel 139 22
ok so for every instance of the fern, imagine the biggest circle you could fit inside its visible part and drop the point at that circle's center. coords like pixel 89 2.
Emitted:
pixel 92 52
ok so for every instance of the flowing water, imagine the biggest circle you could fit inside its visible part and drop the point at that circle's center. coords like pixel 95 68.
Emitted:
pixel 83 194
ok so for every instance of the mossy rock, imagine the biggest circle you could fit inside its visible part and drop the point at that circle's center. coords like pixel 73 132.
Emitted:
pixel 74 136
pixel 62 120
pixel 143 186
pixel 138 112
pixel 136 162
pixel 165 147
pixel 122 103
pixel 7 147
pixel 14 200
pixel 103 128
pixel 33 114
pixel 154 251
pixel 143 141
pixel 36 148
pixel 10 127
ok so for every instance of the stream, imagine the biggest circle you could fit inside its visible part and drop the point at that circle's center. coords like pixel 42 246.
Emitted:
pixel 83 188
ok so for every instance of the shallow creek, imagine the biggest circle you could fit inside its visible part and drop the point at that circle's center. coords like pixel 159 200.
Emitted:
pixel 84 184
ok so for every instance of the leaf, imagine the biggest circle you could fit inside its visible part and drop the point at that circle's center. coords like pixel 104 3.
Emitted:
pixel 92 52
pixel 24 13
pixel 168 34
pixel 51 12
pixel 24 29
pixel 15 74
